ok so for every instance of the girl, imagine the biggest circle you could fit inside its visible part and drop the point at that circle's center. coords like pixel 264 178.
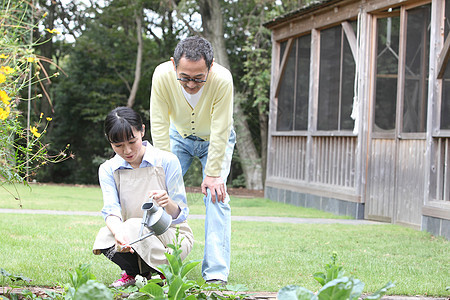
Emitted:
pixel 137 172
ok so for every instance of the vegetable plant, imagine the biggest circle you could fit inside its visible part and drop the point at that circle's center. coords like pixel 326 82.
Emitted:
pixel 335 286
pixel 7 277
pixel 83 285
pixel 176 285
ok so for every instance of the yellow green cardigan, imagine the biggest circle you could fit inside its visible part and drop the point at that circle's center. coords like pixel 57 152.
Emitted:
pixel 211 119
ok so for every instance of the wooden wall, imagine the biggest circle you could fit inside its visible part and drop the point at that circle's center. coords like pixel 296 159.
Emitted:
pixel 400 179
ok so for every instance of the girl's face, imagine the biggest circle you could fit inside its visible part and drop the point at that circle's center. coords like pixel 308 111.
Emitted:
pixel 131 150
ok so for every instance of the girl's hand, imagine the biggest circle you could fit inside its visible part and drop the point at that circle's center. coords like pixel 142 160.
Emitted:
pixel 122 242
pixel 116 226
pixel 161 197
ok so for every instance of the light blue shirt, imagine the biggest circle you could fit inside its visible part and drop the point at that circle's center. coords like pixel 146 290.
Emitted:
pixel 152 157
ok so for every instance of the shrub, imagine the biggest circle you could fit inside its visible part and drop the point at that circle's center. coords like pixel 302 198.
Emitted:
pixel 22 150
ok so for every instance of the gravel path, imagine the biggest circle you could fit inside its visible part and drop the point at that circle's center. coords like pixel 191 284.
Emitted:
pixel 233 218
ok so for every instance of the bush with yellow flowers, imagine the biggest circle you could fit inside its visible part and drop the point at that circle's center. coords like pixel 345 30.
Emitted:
pixel 22 150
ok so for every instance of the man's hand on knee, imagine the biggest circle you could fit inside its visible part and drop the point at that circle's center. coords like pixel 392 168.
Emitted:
pixel 216 186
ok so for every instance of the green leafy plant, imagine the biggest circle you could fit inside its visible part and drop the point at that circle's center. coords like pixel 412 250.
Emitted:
pixel 332 271
pixel 83 285
pixel 176 285
pixel 335 286
pixel 11 279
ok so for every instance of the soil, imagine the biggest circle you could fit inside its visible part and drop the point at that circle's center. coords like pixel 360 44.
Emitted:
pixel 37 291
pixel 41 292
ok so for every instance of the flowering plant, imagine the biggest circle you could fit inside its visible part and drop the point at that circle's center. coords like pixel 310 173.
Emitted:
pixel 22 150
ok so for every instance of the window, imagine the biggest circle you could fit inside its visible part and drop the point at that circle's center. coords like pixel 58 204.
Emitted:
pixel 293 95
pixel 302 89
pixel 447 18
pixel 285 117
pixel 386 73
pixel 336 80
pixel 416 59
pixel 416 69
pixel 445 104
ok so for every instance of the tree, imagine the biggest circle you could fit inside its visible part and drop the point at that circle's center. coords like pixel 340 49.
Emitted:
pixel 108 65
pixel 112 63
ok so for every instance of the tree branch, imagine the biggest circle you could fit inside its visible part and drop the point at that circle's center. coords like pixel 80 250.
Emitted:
pixel 180 17
pixel 123 79
pixel 137 72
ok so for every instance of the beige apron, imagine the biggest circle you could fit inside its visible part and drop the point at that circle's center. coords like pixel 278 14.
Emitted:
pixel 134 186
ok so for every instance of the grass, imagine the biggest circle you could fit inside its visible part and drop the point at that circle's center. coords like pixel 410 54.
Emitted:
pixel 265 256
pixel 89 198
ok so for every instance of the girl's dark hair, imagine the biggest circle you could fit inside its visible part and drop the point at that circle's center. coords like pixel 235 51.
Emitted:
pixel 119 124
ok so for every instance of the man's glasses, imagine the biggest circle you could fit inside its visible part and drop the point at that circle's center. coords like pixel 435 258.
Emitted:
pixel 184 79
pixel 187 79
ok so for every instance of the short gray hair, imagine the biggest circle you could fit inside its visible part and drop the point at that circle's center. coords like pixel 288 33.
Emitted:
pixel 194 48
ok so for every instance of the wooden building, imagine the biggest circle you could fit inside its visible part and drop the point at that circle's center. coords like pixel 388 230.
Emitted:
pixel 360 111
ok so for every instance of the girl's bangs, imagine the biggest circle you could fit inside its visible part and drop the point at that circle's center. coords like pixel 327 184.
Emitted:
pixel 120 132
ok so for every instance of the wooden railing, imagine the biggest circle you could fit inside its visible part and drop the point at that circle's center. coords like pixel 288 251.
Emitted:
pixel 443 169
pixel 332 160
pixel 289 157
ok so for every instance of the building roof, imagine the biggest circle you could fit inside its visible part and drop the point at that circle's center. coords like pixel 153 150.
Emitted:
pixel 313 5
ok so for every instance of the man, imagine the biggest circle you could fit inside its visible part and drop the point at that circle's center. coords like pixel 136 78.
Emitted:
pixel 191 112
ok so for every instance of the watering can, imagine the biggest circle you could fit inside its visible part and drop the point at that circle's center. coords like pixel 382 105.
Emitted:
pixel 155 219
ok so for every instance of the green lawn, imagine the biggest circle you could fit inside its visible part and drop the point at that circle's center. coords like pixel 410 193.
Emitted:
pixel 265 256
pixel 89 198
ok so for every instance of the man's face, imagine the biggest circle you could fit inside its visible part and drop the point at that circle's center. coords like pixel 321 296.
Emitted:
pixel 188 69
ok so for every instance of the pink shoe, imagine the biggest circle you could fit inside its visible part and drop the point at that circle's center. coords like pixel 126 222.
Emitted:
pixel 124 281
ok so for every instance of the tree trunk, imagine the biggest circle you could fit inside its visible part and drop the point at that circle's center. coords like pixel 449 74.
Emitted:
pixel 249 158
pixel 137 72
pixel 250 161
pixel 263 129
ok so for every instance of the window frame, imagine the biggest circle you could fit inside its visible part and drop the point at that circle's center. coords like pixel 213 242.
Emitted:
pixel 350 35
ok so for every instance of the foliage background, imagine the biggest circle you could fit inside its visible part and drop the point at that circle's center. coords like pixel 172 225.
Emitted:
pixel 97 50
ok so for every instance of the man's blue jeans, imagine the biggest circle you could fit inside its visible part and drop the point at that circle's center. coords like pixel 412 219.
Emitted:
pixel 216 260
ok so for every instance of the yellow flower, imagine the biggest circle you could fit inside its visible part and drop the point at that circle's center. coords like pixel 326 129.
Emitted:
pixel 6 69
pixel 4 113
pixel 53 31
pixel 49 119
pixel 2 78
pixel 30 59
pixel 42 114
pixel 45 15
pixel 35 132
pixel 3 56
pixel 4 97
